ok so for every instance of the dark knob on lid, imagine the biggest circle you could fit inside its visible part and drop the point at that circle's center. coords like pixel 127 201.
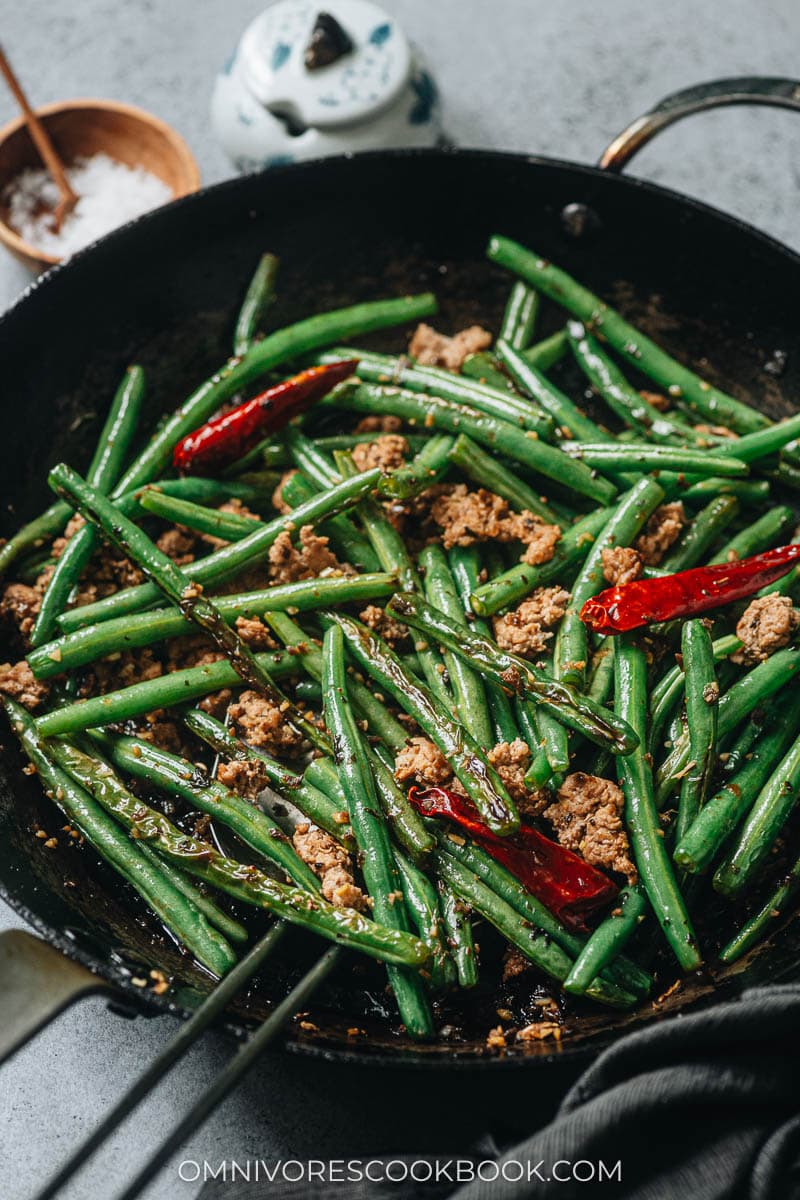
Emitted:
pixel 329 42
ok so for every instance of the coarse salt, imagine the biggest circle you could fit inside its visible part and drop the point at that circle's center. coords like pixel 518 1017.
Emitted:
pixel 109 194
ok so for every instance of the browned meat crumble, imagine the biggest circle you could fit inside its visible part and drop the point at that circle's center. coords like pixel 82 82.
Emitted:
pixel 466 517
pixel 422 763
pixel 261 724
pixel 767 624
pixel 587 818
pixel 433 349
pixel 511 760
pixel 18 681
pixel 242 776
pixel 525 630
pixel 387 452
pixel 331 863
pixel 663 528
pixel 621 564
pixel 310 558
pixel 384 424
pixel 385 625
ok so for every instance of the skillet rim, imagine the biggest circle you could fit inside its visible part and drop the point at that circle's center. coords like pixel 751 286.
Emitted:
pixel 124 995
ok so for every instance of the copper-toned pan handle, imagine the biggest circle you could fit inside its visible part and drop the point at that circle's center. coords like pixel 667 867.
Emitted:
pixel 719 93
pixel 38 982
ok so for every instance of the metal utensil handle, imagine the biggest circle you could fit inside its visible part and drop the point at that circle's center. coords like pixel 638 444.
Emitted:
pixel 702 97
pixel 39 982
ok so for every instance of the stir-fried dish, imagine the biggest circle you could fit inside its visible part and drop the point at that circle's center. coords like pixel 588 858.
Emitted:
pixel 429 644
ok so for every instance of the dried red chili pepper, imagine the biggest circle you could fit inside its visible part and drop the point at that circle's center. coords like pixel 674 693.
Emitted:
pixel 686 594
pixel 563 881
pixel 227 437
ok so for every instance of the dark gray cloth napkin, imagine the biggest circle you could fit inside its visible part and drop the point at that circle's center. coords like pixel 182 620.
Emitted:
pixel 701 1107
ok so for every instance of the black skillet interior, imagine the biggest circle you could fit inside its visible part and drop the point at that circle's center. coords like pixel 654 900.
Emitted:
pixel 164 292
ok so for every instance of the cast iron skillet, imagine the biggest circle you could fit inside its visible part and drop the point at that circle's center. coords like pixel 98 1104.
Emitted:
pixel 163 292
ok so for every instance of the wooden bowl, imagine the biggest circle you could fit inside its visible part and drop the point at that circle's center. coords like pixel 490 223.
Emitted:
pixel 86 127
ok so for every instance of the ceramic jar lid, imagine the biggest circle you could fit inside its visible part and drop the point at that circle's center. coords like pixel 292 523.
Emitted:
pixel 358 63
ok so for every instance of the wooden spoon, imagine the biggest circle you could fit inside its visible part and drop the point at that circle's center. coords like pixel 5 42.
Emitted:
pixel 44 145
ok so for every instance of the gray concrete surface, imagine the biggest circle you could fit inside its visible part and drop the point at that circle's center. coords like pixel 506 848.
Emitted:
pixel 533 75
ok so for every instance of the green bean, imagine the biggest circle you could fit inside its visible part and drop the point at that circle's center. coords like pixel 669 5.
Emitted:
pixel 520 316
pixel 157 625
pixel 748 491
pixel 759 536
pixel 245 882
pixel 741 698
pixel 624 456
pixel 458 930
pixel 377 860
pixel 312 802
pixel 775 906
pixel 435 382
pixel 259 296
pixel 487 472
pixel 723 812
pixel 230 928
pixel 702 699
pixel 468 691
pixel 533 383
pixel 473 857
pixel 429 466
pixel 393 555
pixel 536 947
pixel 480 781
pixel 632 511
pixel 546 353
pixel 519 444
pixel 175 584
pixel 178 777
pixel 171 906
pixel 716 406
pixel 641 815
pixel 113 446
pixel 607 940
pixel 230 526
pixel 623 399
pixel 34 534
pixel 762 826
pixel 695 541
pixel 229 560
pixel 465 567
pixel 669 689
pixel 369 708
pixel 762 442
pixel 515 673
pixel 422 905
pixel 554 737
pixel 179 687
pixel 485 369
pixel 519 581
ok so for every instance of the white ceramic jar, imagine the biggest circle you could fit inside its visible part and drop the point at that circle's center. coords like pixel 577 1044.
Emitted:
pixel 306 81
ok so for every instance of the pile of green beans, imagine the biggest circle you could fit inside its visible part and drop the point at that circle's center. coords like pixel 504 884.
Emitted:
pixel 396 642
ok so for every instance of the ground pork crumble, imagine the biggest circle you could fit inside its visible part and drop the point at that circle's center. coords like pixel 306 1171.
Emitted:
pixel 331 863
pixel 433 349
pixel 385 625
pixel 306 560
pixel 422 763
pixel 261 724
pixel 526 629
pixel 243 776
pixel 766 625
pixel 385 424
pixel 587 818
pixel 511 760
pixel 18 681
pixel 621 564
pixel 467 517
pixel 662 529
pixel 387 452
